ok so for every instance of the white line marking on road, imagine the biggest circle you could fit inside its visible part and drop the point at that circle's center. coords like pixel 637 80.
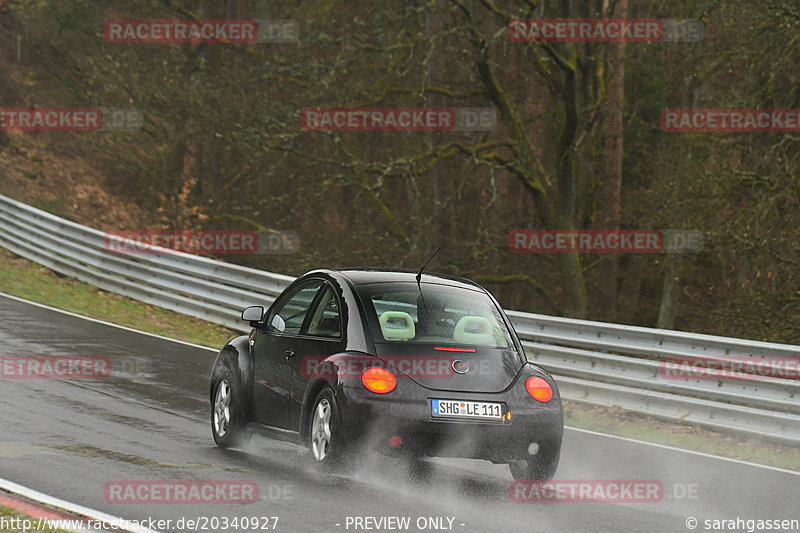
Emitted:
pixel 90 514
pixel 682 450
pixel 98 321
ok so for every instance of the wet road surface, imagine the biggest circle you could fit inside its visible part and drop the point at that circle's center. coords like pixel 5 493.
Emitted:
pixel 149 421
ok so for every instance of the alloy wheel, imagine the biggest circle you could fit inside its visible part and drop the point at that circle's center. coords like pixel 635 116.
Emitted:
pixel 321 430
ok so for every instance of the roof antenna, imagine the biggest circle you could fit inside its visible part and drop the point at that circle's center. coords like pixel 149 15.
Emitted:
pixel 419 274
pixel 419 277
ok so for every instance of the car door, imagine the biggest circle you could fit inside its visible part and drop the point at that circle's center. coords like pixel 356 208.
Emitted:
pixel 274 353
pixel 322 336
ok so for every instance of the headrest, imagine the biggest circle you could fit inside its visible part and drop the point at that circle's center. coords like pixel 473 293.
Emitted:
pixel 397 326
pixel 473 330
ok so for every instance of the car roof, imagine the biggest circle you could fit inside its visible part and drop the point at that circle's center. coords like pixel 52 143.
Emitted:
pixel 364 276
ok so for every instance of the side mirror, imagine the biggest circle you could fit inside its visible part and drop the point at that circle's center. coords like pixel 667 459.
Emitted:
pixel 253 315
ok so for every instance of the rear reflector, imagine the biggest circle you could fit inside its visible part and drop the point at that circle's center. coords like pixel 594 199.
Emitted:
pixel 378 380
pixel 539 389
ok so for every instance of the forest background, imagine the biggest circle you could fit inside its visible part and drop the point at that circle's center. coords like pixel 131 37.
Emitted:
pixel 577 145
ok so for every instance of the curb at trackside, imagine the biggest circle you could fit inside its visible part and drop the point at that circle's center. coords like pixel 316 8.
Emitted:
pixel 18 497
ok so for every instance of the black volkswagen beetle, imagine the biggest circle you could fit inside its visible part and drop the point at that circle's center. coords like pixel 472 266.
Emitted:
pixel 391 360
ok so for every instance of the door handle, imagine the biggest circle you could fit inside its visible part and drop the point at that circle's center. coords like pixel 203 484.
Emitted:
pixel 289 354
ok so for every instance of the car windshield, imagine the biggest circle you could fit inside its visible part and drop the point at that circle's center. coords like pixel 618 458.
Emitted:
pixel 432 313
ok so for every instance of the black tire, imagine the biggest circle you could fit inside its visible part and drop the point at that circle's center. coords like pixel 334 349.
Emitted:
pixel 541 467
pixel 227 418
pixel 327 445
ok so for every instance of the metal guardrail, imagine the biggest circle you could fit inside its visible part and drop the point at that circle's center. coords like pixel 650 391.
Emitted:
pixel 593 362
pixel 190 284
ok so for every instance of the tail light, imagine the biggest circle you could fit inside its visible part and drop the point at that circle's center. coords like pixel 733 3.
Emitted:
pixel 378 380
pixel 539 389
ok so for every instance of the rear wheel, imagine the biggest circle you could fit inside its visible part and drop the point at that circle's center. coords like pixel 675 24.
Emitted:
pixel 540 467
pixel 419 470
pixel 327 444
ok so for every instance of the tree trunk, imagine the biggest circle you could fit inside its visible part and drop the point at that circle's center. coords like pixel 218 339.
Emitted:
pixel 435 76
pixel 569 264
pixel 668 311
pixel 611 178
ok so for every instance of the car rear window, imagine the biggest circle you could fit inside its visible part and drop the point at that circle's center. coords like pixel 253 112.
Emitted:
pixel 432 313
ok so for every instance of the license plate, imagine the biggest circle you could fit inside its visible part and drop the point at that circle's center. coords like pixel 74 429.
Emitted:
pixel 466 409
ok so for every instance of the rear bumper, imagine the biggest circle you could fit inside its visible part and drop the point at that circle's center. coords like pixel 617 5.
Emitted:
pixel 375 421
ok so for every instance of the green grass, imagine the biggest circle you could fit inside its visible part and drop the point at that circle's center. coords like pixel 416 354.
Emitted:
pixel 9 516
pixel 31 281
pixel 34 282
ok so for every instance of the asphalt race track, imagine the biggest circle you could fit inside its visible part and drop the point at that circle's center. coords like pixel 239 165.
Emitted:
pixel 150 421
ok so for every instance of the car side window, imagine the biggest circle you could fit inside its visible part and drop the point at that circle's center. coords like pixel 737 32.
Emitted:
pixel 289 313
pixel 325 319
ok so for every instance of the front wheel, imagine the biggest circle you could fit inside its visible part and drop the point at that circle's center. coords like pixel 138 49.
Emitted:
pixel 226 413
